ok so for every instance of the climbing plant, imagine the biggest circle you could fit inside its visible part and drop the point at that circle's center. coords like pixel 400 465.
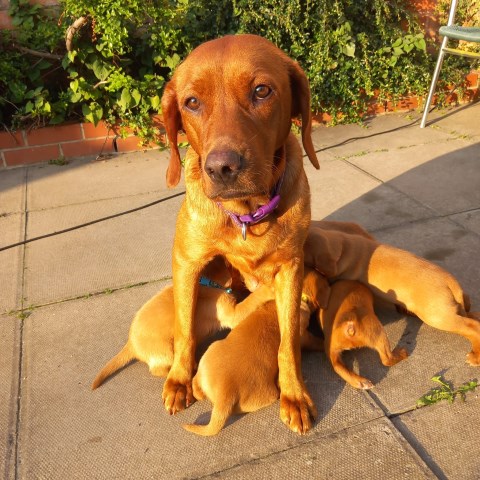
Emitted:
pixel 109 59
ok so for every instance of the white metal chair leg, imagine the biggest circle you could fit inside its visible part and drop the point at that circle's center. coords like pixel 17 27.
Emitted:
pixel 436 74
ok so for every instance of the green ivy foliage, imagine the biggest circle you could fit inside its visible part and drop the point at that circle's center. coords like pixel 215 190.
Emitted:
pixel 118 61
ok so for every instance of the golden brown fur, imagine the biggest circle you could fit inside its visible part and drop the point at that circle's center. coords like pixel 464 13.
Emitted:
pixel 239 374
pixel 235 98
pixel 350 322
pixel 398 276
pixel 151 333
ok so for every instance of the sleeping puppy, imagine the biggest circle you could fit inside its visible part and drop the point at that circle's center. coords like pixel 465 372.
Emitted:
pixel 350 322
pixel 398 276
pixel 239 373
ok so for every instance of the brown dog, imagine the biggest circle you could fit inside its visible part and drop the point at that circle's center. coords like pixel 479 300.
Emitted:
pixel 151 333
pixel 415 284
pixel 350 322
pixel 247 194
pixel 239 374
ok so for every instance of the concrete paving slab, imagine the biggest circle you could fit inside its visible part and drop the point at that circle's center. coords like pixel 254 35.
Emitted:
pixel 381 133
pixel 462 121
pixel 380 208
pixel 470 220
pixel 340 456
pixel 341 191
pixel 9 375
pixel 12 191
pixel 121 430
pixel 446 435
pixel 11 261
pixel 442 176
pixel 83 180
pixel 43 222
pixel 122 251
pixel 336 184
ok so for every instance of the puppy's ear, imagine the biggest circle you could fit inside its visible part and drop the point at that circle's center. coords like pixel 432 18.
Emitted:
pixel 173 123
pixel 301 106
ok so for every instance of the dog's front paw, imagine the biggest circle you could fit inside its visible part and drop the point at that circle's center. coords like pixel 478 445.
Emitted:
pixel 177 396
pixel 297 413
pixel 473 359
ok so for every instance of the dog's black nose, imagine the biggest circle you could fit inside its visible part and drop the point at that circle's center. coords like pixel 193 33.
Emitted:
pixel 223 166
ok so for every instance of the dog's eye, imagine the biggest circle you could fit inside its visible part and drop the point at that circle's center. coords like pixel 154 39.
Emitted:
pixel 192 103
pixel 262 92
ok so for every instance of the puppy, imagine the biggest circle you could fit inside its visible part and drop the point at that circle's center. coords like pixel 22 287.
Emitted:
pixel 417 285
pixel 152 330
pixel 239 373
pixel 350 322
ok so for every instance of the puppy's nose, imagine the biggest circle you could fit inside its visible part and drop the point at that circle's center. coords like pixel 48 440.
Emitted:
pixel 223 166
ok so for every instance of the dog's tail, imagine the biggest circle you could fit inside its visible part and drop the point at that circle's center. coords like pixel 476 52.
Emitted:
pixel 219 417
pixel 124 356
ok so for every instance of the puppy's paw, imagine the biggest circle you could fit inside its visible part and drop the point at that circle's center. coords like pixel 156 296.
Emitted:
pixel 473 359
pixel 297 413
pixel 177 396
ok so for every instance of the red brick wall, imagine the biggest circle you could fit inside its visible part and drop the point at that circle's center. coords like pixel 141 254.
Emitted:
pixel 65 141
pixel 6 21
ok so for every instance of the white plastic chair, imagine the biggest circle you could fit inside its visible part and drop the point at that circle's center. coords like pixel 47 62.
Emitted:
pixel 468 34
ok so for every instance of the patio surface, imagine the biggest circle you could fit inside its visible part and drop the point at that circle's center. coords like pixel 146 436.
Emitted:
pixel 66 303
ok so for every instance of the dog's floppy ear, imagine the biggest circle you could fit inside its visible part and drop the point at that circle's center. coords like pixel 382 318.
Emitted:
pixel 173 123
pixel 301 106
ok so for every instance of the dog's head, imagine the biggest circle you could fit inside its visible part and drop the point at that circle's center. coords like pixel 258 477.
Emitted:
pixel 316 288
pixel 235 98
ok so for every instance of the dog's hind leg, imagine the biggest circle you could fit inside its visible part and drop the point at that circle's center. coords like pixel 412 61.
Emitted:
pixel 468 327
pixel 350 377
pixel 377 339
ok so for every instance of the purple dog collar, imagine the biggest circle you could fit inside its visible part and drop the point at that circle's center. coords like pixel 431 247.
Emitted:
pixel 243 221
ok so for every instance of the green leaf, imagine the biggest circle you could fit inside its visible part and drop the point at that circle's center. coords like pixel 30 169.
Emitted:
pixel 137 96
pixel 397 51
pixel 349 50
pixel 59 118
pixel 74 86
pixel 397 42
pixel 420 44
pixel 100 70
pixel 125 99
pixel 28 107
pixel 71 55
pixel 393 61
pixel 92 113
pixel 155 102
